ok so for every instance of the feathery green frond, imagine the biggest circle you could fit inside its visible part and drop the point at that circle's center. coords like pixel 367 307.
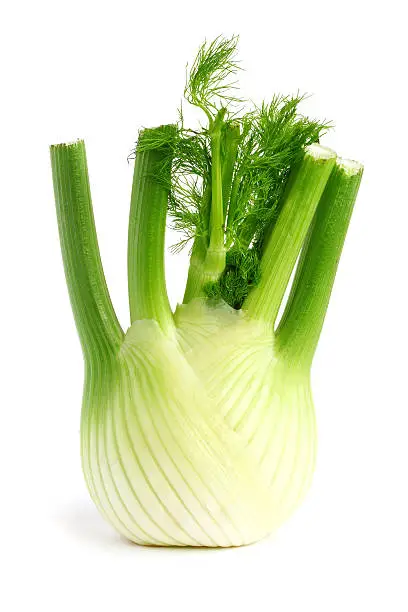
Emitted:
pixel 273 141
pixel 191 173
pixel 258 150
pixel 211 77
pixel 242 272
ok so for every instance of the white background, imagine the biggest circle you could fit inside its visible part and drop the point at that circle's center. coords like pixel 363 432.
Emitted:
pixel 101 70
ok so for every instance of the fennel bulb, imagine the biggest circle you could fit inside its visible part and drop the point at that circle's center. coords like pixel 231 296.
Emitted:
pixel 198 426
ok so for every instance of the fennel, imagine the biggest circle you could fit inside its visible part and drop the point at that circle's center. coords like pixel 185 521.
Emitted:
pixel 198 426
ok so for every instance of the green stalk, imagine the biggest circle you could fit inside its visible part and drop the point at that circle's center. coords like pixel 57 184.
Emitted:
pixel 208 260
pixel 300 200
pixel 98 328
pixel 299 330
pixel 147 224
pixel 195 276
pixel 234 196
pixel 230 143
pixel 215 257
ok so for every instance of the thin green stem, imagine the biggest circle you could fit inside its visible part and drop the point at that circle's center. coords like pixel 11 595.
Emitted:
pixel 233 204
pixel 208 259
pixel 147 224
pixel 215 257
pixel 195 277
pixel 98 327
pixel 230 143
pixel 300 199
pixel 299 330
